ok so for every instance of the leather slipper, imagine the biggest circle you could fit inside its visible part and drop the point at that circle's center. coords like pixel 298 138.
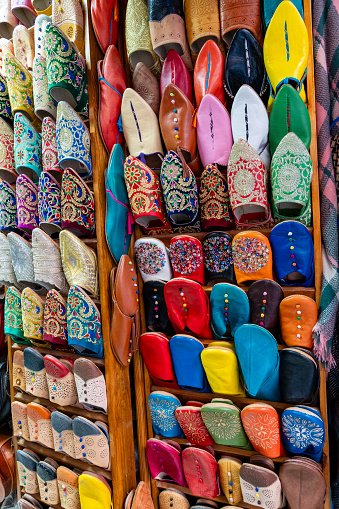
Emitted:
pixel 48 484
pixel 63 437
pixel 261 424
pixel 91 443
pixel 185 353
pixel 35 373
pixel 94 491
pixel 60 381
pixel 39 425
pixel 164 460
pixel 68 486
pixel 27 471
pixel 19 370
pixel 19 419
pixel 192 424
pixel 91 385
pixel 162 406
pixel 230 479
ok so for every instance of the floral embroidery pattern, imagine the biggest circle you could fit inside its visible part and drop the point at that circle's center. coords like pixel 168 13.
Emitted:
pixel 193 426
pixel 13 313
pixel 5 105
pixel 49 200
pixel 300 432
pixel 6 146
pixel 27 203
pixel 55 319
pixel 225 427
pixel 65 67
pixel 32 314
pixel 20 86
pixel 186 256
pixel 250 254
pixel 214 198
pixel 27 145
pixel 83 321
pixel 163 417
pixel 77 204
pixel 218 255
pixel 73 140
pixel 42 99
pixel 49 145
pixel 150 258
pixel 69 17
pixel 180 194
pixel 22 258
pixel 262 430
pixel 8 219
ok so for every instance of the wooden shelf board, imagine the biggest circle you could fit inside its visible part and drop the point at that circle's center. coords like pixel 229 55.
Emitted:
pixel 63 459
pixel 44 351
pixel 288 290
pixel 72 410
pixel 37 497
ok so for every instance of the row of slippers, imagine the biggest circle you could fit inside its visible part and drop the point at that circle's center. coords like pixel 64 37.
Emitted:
pixel 228 307
pixel 221 422
pixel 63 381
pixel 252 366
pixel 246 257
pixel 197 467
pixel 50 205
pixel 55 484
pixel 72 326
pixel 44 264
pixel 300 483
pixel 79 438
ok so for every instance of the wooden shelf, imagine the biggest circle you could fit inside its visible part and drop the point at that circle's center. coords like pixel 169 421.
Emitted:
pixel 37 497
pixel 63 459
pixel 56 353
pixel 72 410
pixel 288 290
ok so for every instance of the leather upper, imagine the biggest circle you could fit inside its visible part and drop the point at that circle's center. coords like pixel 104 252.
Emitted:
pixel 229 309
pixel 175 71
pixel 185 353
pixel 156 313
pixel 218 258
pixel 252 257
pixel 208 73
pixel 165 458
pixel 155 350
pixel 206 484
pixel 240 14
pixel 187 258
pixel 105 18
pixel 298 315
pixel 299 376
pixel 146 84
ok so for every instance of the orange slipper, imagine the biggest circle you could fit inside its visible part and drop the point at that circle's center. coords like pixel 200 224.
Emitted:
pixel 39 425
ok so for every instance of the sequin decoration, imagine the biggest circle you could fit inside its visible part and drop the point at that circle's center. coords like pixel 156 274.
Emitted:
pixel 55 322
pixel 150 258
pixel 186 257
pixel 27 203
pixel 77 204
pixel 5 105
pixel 20 86
pixel 250 254
pixel 13 312
pixel 32 314
pixel 218 255
pixel 8 218
pixel 49 201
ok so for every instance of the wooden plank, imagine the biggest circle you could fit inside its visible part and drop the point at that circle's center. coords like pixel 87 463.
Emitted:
pixel 38 498
pixel 56 353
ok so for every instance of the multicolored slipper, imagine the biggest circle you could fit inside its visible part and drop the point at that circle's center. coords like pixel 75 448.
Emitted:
pixel 8 209
pixel 91 443
pixel 68 485
pixel 60 381
pixel 44 104
pixel 5 104
pixel 35 373
pixel 77 205
pixel 39 424
pixel 13 316
pixel 19 419
pixel 49 204
pixel 7 164
pixel 27 464
pixel 27 147
pixel 90 385
pixel 32 317
pixel 50 148
pixel 19 371
pixel 27 204
pixel 55 321
pixel 20 87
pixel 63 433
pixel 47 481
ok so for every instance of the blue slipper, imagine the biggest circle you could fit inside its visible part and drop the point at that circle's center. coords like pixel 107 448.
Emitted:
pixel 162 406
pixel 230 308
pixel 185 353
pixel 63 433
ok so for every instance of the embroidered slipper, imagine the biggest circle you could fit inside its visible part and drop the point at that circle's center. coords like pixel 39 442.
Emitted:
pixel 177 129
pixel 173 498
pixel 286 50
pixel 55 321
pixel 264 297
pixel 79 263
pixel 8 20
pixel 230 479
pixel 77 205
pixel 260 371
pixel 188 308
pixel 23 10
pixel 175 71
pixel 218 258
pixel 27 465
pixel 49 204
pixel 32 317
pixel 50 148
pixel 7 274
pixel 289 114
pixel 119 219
pixel 20 87
pixel 291 175
pixel 13 316
pixel 208 73
pixel 250 122
pixel 23 43
pixel 62 429
pixel 27 204
pixel 19 419
pixel 202 481
pixel 27 147
pixel 94 491
pixel 240 15
pixel 83 324
pixel 298 315
pixel 167 28
pixel 39 425
pixel 6 46
pixel 7 163
pixel 48 485
pixel 252 257
pixel 191 422
pixel 145 196
pixel 91 385
pixel 164 461
pixel 185 353
pixel 22 260
pixel 215 359
pixel 229 310
pixel 60 380
pixel 259 484
pixel 202 24
pixel 187 258
pixel 153 259
pixel 138 38
pixel 8 209
pixel 141 129
pixel 261 424
pixel 162 406
pixel 156 314
pixel 73 141
pixel 247 183
pixel 245 65
pixel 156 353
pixel 112 85
pixel 68 486
pixel 146 84
pixel 44 104
pixel 91 443
pixel 180 194
pixel 19 371
pixel 222 420
pixel 35 373
pixel 214 143
pixel 293 254
pixel 40 24
pixel 68 16
pixel 5 105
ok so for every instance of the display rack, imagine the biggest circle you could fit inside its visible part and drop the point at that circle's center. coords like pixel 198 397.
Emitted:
pixel 122 473
pixel 142 378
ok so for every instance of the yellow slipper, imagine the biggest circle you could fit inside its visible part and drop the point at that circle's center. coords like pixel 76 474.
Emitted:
pixel 94 491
